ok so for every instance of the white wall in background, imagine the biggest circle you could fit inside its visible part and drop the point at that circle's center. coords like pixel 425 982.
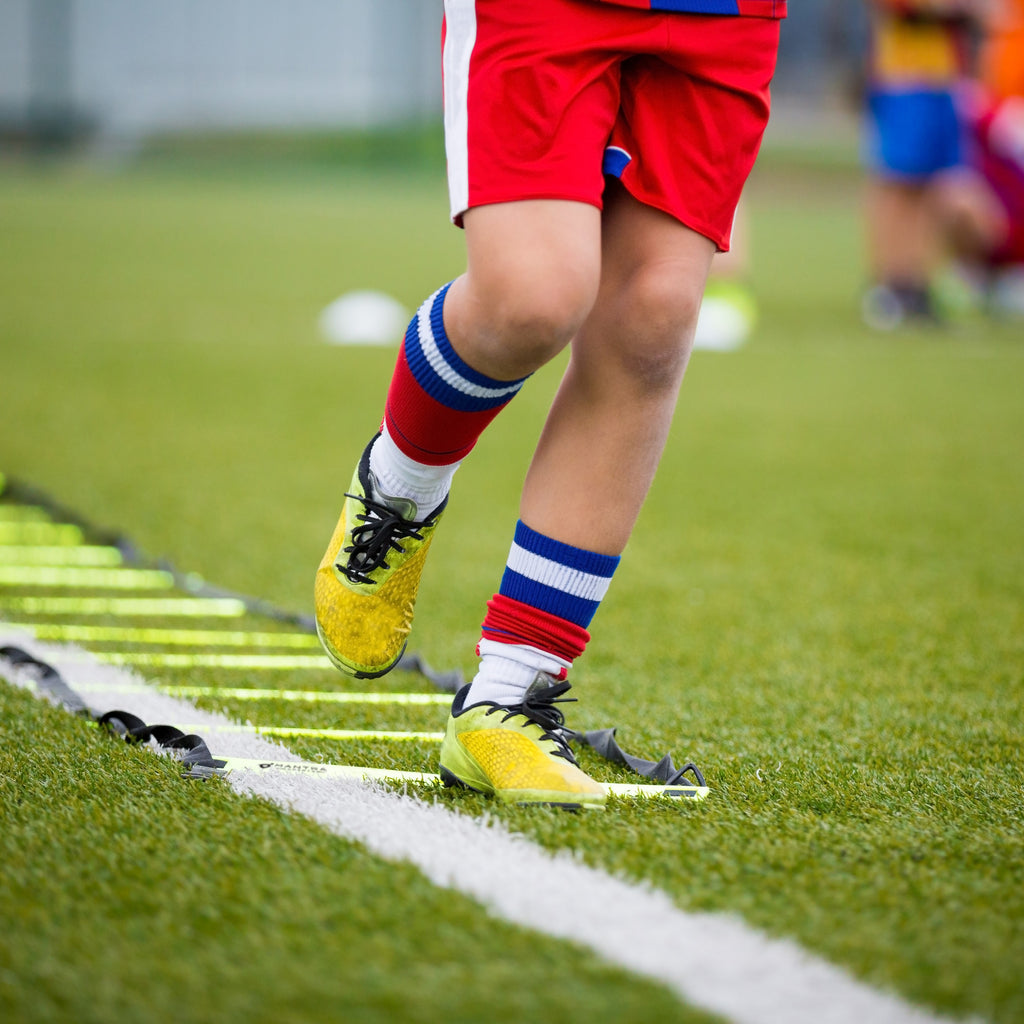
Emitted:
pixel 139 66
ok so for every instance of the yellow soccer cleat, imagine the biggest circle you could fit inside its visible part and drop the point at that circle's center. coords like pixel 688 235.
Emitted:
pixel 367 582
pixel 518 753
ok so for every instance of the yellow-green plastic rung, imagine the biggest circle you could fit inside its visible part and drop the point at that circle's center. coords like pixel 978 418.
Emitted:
pixel 113 579
pixel 335 771
pixel 172 637
pixel 654 791
pixel 82 555
pixel 142 607
pixel 202 660
pixel 23 514
pixel 327 734
pixel 63 534
pixel 643 791
pixel 255 694
pixel 314 696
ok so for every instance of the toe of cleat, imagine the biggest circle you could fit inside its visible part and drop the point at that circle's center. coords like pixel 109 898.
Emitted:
pixel 513 766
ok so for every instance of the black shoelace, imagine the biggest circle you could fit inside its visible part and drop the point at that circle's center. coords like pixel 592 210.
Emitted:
pixel 539 707
pixel 380 533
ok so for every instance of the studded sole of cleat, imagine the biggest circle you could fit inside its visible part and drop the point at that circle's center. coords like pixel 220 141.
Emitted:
pixel 450 781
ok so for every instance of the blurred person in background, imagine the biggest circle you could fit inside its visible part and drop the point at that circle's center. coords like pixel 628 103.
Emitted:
pixel 919 59
pixel 981 209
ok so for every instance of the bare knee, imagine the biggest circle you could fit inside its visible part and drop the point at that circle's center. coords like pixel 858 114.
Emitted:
pixel 532 279
pixel 540 318
pixel 519 319
pixel 655 317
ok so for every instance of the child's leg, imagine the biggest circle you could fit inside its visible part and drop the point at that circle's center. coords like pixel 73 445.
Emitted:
pixel 901 236
pixel 589 476
pixel 914 137
pixel 599 449
pixel 612 413
pixel 531 279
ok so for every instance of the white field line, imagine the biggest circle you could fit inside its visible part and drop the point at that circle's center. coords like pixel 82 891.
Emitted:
pixel 713 961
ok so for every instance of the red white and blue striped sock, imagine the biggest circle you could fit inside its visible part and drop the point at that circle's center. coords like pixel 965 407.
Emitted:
pixel 537 622
pixel 437 407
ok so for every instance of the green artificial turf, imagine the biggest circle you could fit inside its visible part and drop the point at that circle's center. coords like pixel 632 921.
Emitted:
pixel 822 605
pixel 129 894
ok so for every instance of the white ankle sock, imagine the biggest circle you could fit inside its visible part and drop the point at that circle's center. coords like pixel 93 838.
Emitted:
pixel 507 670
pixel 398 476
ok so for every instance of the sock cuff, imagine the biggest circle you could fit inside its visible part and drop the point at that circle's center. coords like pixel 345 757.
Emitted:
pixel 441 372
pixel 590 562
pixel 556 578
pixel 509 621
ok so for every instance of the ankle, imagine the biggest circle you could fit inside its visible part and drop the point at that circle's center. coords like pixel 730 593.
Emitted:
pixel 399 480
pixel 507 671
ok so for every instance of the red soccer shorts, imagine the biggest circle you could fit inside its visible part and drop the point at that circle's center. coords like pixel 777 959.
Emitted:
pixel 543 99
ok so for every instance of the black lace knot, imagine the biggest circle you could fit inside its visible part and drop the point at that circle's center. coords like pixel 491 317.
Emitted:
pixel 381 531
pixel 538 706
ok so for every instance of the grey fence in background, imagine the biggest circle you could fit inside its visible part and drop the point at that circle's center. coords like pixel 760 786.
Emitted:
pixel 133 67
pixel 129 68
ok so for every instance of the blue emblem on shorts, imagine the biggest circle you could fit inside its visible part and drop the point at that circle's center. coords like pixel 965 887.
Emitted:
pixel 615 161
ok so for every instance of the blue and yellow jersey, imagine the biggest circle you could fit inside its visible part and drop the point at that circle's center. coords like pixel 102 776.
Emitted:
pixel 918 45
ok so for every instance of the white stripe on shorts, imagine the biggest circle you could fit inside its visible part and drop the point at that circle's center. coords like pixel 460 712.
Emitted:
pixel 459 40
pixel 562 577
